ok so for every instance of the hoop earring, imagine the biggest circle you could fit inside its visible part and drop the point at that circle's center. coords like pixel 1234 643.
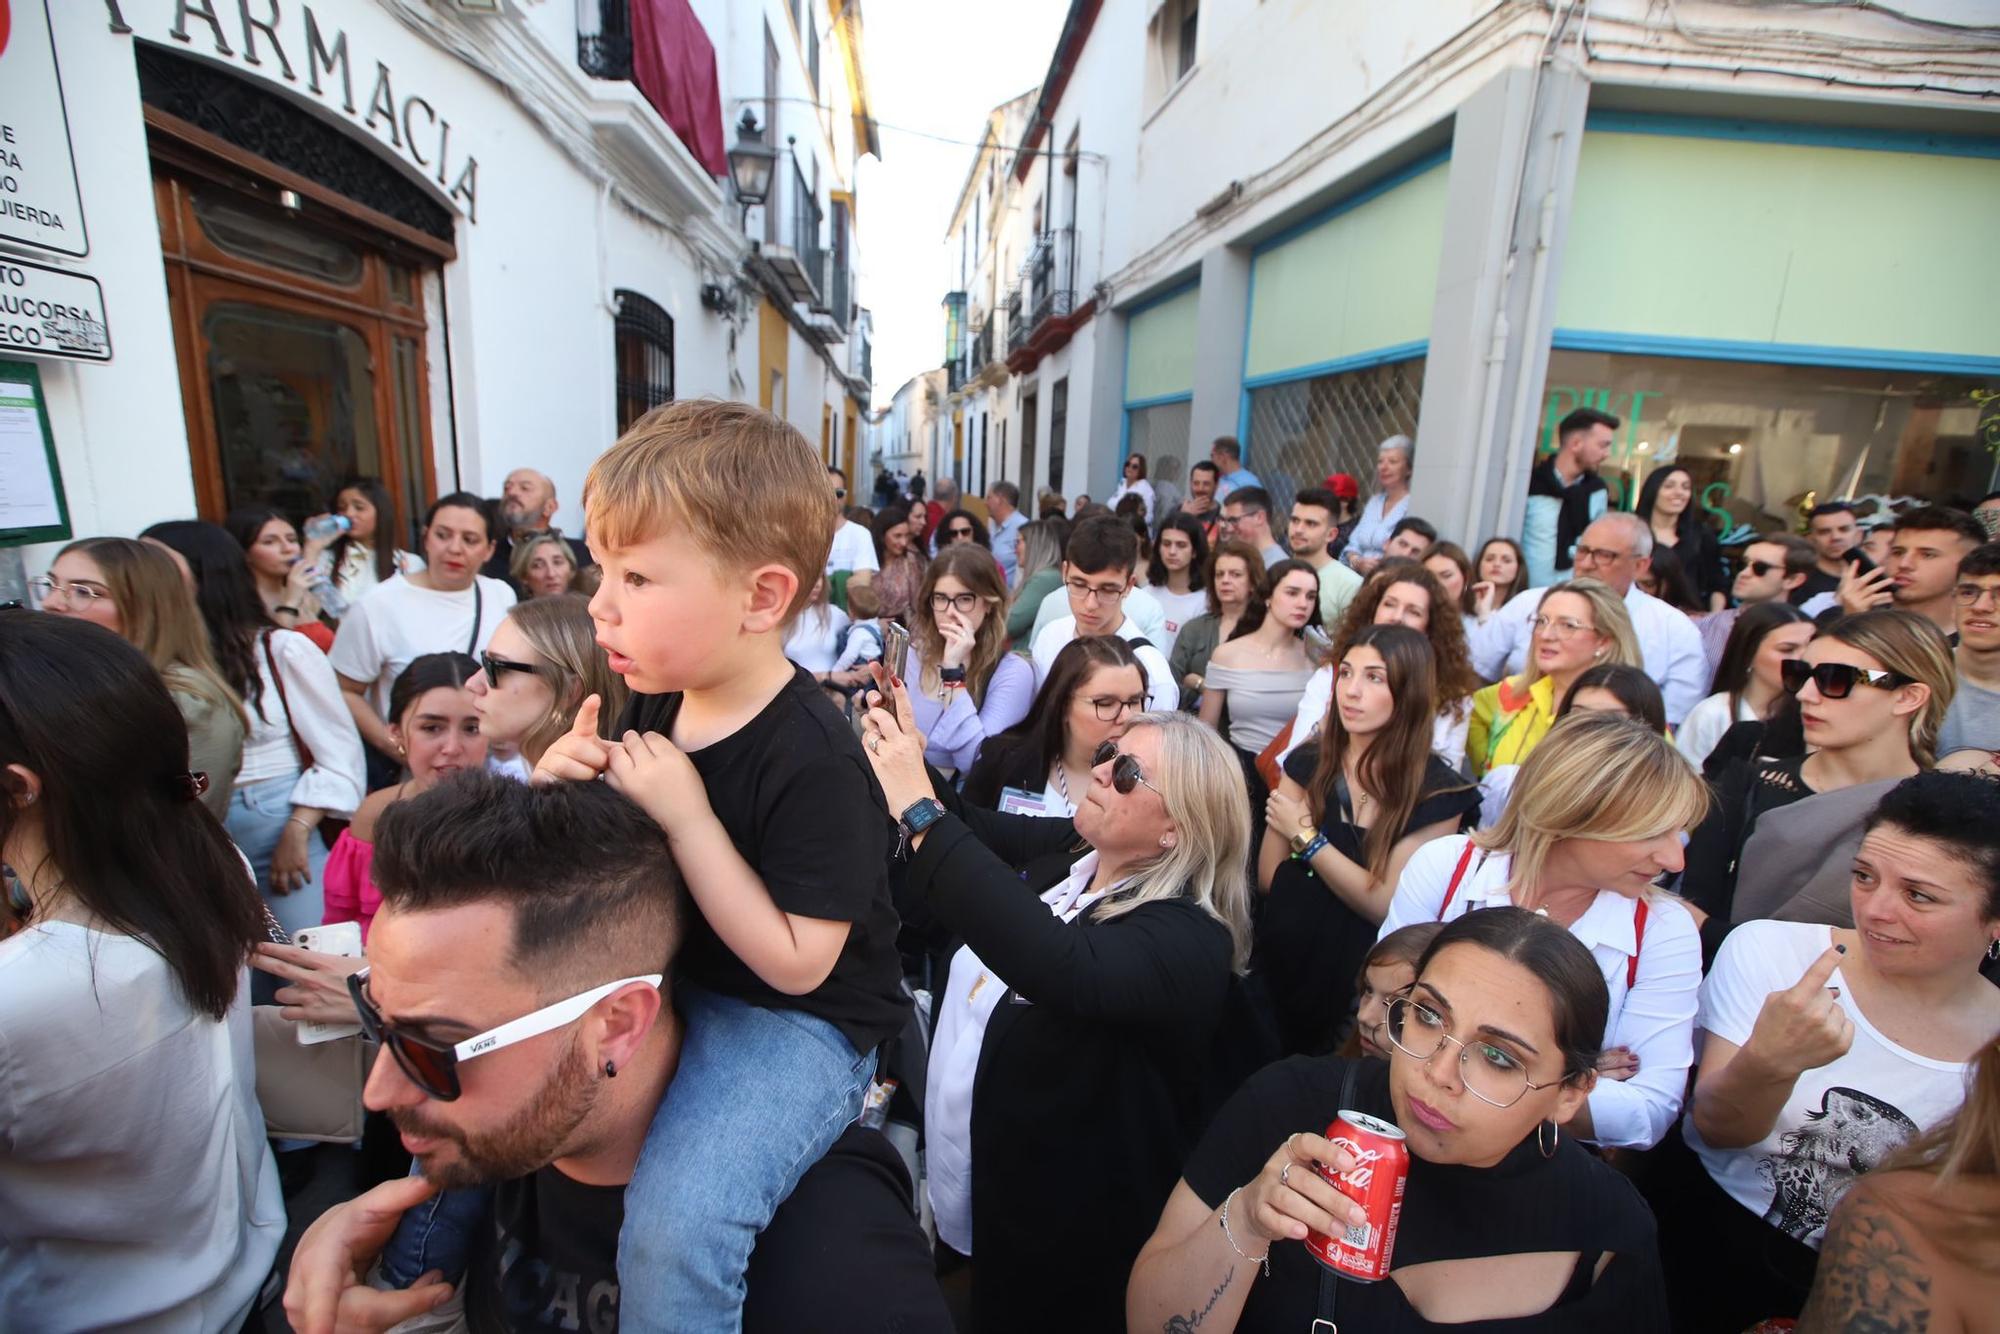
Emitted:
pixel 1992 950
pixel 1546 1145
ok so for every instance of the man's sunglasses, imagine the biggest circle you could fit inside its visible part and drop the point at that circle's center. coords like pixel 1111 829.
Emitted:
pixel 1761 568
pixel 1125 771
pixel 496 667
pixel 1836 680
pixel 433 1066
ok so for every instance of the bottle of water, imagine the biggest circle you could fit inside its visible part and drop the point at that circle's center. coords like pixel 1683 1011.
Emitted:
pixel 331 600
pixel 327 527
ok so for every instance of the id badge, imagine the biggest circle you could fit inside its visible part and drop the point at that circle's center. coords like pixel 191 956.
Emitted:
pixel 1020 801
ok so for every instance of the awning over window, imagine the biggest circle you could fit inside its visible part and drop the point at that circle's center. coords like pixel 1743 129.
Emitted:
pixel 673 64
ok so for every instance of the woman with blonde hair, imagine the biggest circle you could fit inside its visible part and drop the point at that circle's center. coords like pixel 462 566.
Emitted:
pixel 1038 550
pixel 1595 821
pixel 1578 625
pixel 1094 1007
pixel 135 590
pixel 543 566
pixel 965 686
pixel 542 663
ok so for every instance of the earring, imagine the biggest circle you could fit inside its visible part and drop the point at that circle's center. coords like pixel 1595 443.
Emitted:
pixel 610 1070
pixel 1548 1145
pixel 1992 950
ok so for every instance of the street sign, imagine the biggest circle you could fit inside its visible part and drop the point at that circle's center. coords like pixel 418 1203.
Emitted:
pixel 40 204
pixel 32 505
pixel 50 313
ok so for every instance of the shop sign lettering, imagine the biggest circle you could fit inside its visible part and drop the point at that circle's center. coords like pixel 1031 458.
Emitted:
pixel 282 41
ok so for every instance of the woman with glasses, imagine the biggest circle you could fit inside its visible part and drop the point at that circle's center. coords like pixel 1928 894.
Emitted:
pixel 1608 688
pixel 1351 808
pixel 1042 765
pixel 1506 1222
pixel 964 685
pixel 1871 691
pixel 1132 482
pixel 1578 625
pixel 1235 586
pixel 1748 682
pixel 434 729
pixel 542 663
pixel 1825 1050
pixel 135 590
pixel 898 554
pixel 1595 822
pixel 1072 1032
pixel 137 1188
pixel 302 758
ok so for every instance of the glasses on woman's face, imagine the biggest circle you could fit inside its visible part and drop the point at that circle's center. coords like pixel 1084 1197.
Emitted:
pixel 497 666
pixel 962 603
pixel 1110 708
pixel 76 595
pixel 1125 771
pixel 1836 680
pixel 1490 1072
pixel 1560 627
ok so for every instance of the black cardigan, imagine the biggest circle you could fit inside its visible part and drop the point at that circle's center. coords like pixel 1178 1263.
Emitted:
pixel 1089 1088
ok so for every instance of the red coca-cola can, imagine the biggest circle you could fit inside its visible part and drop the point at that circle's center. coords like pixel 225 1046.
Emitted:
pixel 1381 1169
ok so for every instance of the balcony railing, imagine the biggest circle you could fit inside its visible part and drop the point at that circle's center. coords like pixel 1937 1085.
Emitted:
pixel 982 346
pixel 805 229
pixel 605 53
pixel 1017 324
pixel 1052 276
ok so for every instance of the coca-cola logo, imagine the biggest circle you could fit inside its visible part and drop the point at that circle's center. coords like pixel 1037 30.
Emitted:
pixel 1362 1174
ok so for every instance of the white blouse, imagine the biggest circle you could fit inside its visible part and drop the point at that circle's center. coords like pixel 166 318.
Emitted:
pixel 337 778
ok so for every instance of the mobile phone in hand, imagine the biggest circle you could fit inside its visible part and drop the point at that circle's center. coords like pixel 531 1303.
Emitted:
pixel 895 648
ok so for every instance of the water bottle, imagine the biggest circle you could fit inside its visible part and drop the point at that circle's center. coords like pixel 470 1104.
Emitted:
pixel 327 527
pixel 331 600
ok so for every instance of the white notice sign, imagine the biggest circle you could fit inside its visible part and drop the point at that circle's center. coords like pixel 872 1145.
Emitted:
pixel 51 313
pixel 39 202
pixel 27 486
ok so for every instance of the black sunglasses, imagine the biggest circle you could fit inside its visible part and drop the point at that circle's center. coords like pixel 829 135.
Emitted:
pixel 431 1066
pixel 1762 568
pixel 495 666
pixel 1836 680
pixel 1125 771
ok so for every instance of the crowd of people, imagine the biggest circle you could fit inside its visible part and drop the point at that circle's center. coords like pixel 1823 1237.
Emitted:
pixel 780 913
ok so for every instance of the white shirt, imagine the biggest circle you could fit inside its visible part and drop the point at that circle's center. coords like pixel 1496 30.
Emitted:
pixel 1179 608
pixel 1447 733
pixel 136 1187
pixel 1705 724
pixel 1669 645
pixel 338 776
pixel 1850 1113
pixel 853 549
pixel 1141 488
pixel 813 642
pixel 970 997
pixel 1161 692
pixel 356 577
pixel 1337 587
pixel 1141 608
pixel 1654 1017
pixel 399 622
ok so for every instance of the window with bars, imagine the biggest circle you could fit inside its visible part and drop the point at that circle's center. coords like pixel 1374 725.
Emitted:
pixel 1058 431
pixel 1303 430
pixel 643 348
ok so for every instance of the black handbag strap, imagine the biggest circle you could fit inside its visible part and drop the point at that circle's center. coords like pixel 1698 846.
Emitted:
pixel 1329 1280
pixel 478 611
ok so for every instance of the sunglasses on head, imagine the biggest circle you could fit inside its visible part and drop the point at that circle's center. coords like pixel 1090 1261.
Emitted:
pixel 433 1066
pixel 1836 680
pixel 1125 771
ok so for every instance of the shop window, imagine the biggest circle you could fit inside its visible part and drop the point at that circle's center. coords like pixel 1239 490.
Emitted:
pixel 266 236
pixel 1765 441
pixel 1303 430
pixel 643 343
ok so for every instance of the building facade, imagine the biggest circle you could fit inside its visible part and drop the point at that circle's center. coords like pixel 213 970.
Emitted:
pixel 912 434
pixel 433 242
pixel 1312 227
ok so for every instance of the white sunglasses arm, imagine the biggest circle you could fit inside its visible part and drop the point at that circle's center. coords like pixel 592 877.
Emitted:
pixel 545 1019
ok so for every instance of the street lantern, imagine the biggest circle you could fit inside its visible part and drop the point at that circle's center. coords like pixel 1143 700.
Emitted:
pixel 751 162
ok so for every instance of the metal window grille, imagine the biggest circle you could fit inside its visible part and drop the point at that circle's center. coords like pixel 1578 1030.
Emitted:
pixel 1159 432
pixel 643 346
pixel 605 53
pixel 1058 431
pixel 1303 430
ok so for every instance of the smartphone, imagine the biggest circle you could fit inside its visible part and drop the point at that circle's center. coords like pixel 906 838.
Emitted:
pixel 343 939
pixel 1854 555
pixel 895 648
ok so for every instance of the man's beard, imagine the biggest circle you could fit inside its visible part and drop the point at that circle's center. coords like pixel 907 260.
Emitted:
pixel 519 517
pixel 531 1141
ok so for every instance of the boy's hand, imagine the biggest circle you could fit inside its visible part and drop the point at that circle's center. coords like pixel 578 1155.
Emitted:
pixel 657 774
pixel 579 754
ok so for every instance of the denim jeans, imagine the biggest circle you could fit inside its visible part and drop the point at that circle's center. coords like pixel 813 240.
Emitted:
pixel 257 815
pixel 437 1234
pixel 758 1097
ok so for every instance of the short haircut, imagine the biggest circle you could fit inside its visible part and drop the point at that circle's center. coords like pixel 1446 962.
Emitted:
pixel 1799 555
pixel 1007 491
pixel 1103 542
pixel 1228 445
pixel 1980 562
pixel 1251 498
pixel 1830 507
pixel 1203 465
pixel 1636 530
pixel 1939 519
pixel 1318 497
pixel 584 872
pixel 1582 420
pixel 460 500
pixel 744 485
pixel 1412 524
pixel 1961 811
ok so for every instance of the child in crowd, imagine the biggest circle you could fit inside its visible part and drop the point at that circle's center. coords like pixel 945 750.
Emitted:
pixel 861 646
pixel 1385 974
pixel 712 520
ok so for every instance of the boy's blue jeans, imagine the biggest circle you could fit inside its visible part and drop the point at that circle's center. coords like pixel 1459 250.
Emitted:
pixel 759 1096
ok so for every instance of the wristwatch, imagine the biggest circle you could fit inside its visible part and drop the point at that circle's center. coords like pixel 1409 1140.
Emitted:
pixel 920 815
pixel 1302 838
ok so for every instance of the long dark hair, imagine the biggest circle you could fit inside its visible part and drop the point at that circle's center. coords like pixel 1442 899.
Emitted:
pixel 1260 606
pixel 227 597
pixel 85 711
pixel 1753 626
pixel 978 528
pixel 1190 526
pixel 1037 740
pixel 245 522
pixel 1630 686
pixel 889 516
pixel 1690 524
pixel 384 553
pixel 1519 585
pixel 1395 763
pixel 1671 578
pixel 1579 1004
pixel 1456 679
pixel 1253 561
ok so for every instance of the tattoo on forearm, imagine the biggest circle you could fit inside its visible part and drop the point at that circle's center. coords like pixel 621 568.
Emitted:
pixel 1869 1281
pixel 1187 1324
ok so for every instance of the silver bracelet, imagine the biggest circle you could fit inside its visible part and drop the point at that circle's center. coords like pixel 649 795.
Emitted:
pixel 293 819
pixel 1264 1259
